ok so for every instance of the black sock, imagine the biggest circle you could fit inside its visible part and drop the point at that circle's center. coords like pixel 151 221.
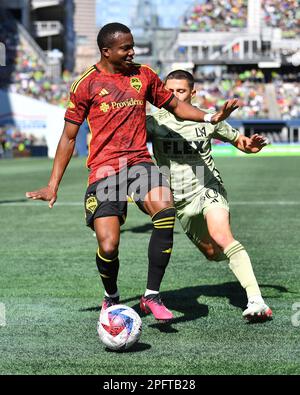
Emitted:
pixel 160 246
pixel 108 270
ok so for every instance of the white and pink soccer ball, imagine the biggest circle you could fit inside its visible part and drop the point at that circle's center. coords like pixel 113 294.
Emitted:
pixel 119 327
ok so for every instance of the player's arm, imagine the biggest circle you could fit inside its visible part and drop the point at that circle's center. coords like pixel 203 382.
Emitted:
pixel 63 155
pixel 250 145
pixel 188 112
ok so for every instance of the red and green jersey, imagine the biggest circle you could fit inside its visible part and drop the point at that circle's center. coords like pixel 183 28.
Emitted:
pixel 114 106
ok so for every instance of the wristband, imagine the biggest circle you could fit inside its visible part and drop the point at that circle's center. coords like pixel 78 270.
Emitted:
pixel 208 117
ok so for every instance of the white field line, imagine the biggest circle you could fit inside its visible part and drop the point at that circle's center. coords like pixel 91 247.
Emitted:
pixel 240 203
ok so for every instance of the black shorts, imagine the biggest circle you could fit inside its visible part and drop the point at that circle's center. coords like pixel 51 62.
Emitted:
pixel 108 197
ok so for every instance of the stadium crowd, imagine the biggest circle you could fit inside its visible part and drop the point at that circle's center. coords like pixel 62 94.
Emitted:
pixel 216 15
pixel 288 99
pixel 15 143
pixel 248 87
pixel 25 74
pixel 28 77
pixel 283 14
pixel 226 15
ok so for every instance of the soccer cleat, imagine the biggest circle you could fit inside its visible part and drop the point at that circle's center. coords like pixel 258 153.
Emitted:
pixel 108 301
pixel 257 311
pixel 153 304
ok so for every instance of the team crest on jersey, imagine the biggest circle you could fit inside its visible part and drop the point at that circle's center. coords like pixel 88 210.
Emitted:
pixel 136 83
pixel 91 204
pixel 200 132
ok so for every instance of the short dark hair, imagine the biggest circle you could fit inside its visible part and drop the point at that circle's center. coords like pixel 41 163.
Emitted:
pixel 107 32
pixel 181 75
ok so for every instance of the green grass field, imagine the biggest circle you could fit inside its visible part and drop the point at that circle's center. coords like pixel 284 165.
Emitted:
pixel 51 291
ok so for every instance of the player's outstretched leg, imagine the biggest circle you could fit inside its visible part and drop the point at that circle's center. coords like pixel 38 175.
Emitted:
pixel 159 252
pixel 240 264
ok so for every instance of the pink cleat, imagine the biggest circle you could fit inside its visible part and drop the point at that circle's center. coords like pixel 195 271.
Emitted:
pixel 153 304
pixel 107 302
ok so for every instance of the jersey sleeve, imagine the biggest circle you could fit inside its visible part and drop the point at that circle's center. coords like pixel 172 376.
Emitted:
pixel 78 106
pixel 157 95
pixel 224 132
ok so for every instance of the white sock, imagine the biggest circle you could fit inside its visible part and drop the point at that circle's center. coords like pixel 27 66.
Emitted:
pixel 256 299
pixel 240 264
pixel 149 292
pixel 113 295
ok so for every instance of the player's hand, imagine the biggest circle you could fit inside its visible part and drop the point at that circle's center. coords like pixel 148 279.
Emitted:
pixel 46 194
pixel 255 143
pixel 226 110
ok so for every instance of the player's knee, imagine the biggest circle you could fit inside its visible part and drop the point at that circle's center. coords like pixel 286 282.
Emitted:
pixel 209 253
pixel 109 247
pixel 207 250
pixel 213 253
pixel 220 238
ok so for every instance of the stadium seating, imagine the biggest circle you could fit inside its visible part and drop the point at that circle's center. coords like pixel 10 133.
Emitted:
pixel 14 143
pixel 288 99
pixel 248 87
pixel 27 75
pixel 283 14
pixel 216 15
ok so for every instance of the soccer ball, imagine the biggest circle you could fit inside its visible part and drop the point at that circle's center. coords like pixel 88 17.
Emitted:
pixel 119 327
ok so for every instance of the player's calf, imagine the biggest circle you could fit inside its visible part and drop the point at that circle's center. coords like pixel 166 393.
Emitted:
pixel 160 246
pixel 212 252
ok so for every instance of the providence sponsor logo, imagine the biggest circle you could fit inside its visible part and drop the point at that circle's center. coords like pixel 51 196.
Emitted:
pixel 2 54
pixel 127 103
pixel 105 107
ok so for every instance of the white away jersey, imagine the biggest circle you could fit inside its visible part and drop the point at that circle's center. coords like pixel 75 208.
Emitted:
pixel 182 149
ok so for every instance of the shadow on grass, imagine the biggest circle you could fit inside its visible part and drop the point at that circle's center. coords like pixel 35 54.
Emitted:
pixel 13 201
pixel 185 301
pixel 137 347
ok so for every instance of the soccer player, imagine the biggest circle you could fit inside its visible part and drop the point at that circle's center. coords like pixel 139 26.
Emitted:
pixel 182 150
pixel 112 96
